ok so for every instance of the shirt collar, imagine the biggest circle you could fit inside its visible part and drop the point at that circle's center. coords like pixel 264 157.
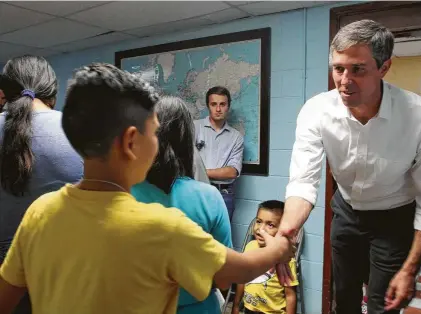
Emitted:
pixel 209 125
pixel 385 110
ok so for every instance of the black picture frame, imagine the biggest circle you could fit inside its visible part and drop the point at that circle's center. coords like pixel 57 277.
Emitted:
pixel 264 35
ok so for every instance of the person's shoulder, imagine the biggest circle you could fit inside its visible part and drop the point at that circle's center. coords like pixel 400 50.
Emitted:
pixel 45 205
pixel 322 100
pixel 190 186
pixel 199 122
pixel 319 106
pixel 235 131
pixel 148 193
pixel 292 262
pixel 49 114
pixel 156 215
pixel 403 96
pixel 252 245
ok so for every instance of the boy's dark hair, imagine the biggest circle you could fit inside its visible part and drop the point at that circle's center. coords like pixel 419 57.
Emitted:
pixel 101 102
pixel 176 140
pixel 23 79
pixel 218 90
pixel 273 206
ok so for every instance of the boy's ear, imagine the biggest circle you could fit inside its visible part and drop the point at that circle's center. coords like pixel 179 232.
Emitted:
pixel 128 142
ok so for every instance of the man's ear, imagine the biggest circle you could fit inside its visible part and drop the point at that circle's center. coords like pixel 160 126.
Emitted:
pixel 385 68
pixel 128 142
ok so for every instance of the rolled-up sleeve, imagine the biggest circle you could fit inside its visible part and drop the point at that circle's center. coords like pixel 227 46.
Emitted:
pixel 236 157
pixel 416 177
pixel 307 155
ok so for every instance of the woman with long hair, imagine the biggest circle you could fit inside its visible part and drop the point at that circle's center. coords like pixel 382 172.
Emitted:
pixel 170 182
pixel 35 156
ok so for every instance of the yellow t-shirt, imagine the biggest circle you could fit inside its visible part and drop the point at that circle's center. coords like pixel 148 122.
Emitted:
pixel 265 294
pixel 90 252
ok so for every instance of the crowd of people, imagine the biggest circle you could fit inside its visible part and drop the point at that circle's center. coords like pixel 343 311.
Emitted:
pixel 121 203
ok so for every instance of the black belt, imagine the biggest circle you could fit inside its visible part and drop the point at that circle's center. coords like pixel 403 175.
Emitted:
pixel 222 186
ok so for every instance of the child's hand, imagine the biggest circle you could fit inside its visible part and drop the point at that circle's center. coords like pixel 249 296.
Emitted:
pixel 280 244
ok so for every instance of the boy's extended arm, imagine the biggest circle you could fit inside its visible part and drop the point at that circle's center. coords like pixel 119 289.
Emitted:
pixel 291 299
pixel 9 296
pixel 244 267
pixel 239 292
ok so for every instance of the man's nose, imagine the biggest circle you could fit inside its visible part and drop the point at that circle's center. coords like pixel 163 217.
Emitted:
pixel 346 78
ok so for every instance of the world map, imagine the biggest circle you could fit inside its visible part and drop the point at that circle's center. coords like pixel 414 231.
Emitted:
pixel 190 73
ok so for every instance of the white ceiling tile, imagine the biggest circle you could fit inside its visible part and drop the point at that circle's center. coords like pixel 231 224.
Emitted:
pixel 136 14
pixel 13 18
pixel 55 32
pixel 226 15
pixel 407 49
pixel 59 8
pixel 237 3
pixel 8 50
pixel 171 27
pixel 308 4
pixel 268 7
pixel 45 52
pixel 99 40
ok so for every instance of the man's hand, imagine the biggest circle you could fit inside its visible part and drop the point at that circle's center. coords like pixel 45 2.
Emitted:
pixel 284 274
pixel 282 244
pixel 235 310
pixel 400 291
pixel 295 215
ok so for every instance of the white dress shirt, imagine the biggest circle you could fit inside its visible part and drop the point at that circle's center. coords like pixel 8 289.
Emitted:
pixel 377 165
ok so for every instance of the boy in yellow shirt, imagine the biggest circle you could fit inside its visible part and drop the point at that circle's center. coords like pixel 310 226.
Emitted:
pixel 265 294
pixel 91 248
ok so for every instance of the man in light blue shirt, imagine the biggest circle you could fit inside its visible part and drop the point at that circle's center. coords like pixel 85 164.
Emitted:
pixel 220 146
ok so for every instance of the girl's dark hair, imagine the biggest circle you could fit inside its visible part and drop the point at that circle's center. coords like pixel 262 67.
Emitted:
pixel 176 140
pixel 16 157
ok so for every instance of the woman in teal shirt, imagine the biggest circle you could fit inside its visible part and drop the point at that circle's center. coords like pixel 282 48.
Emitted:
pixel 170 182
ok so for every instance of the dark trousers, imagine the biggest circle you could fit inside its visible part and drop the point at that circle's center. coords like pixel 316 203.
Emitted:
pixel 24 306
pixel 367 246
pixel 228 195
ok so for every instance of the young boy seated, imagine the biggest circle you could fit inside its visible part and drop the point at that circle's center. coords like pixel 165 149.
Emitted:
pixel 91 248
pixel 265 294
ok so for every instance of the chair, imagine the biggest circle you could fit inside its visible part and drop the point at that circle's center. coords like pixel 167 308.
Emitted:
pixel 299 241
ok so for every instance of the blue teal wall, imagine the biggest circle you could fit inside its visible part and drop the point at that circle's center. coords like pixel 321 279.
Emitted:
pixel 299 60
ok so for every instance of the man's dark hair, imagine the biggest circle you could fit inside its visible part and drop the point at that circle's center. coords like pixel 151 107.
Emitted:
pixel 101 102
pixel 273 206
pixel 218 90
pixel 176 140
pixel 37 76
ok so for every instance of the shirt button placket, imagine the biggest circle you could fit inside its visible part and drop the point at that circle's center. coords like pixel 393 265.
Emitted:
pixel 360 164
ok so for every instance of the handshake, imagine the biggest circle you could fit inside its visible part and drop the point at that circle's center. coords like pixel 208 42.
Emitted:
pixel 286 248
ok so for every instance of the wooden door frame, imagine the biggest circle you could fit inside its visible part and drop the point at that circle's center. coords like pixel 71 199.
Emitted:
pixel 391 15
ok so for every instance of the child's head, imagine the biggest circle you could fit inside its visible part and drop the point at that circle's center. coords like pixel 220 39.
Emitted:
pixel 176 143
pixel 268 218
pixel 110 121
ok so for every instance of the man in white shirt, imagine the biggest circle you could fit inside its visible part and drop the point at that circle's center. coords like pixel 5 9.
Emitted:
pixel 370 132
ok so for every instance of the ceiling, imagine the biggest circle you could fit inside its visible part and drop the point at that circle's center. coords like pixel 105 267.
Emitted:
pixel 52 27
pixel 409 45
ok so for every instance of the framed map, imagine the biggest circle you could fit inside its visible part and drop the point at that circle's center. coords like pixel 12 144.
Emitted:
pixel 239 61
